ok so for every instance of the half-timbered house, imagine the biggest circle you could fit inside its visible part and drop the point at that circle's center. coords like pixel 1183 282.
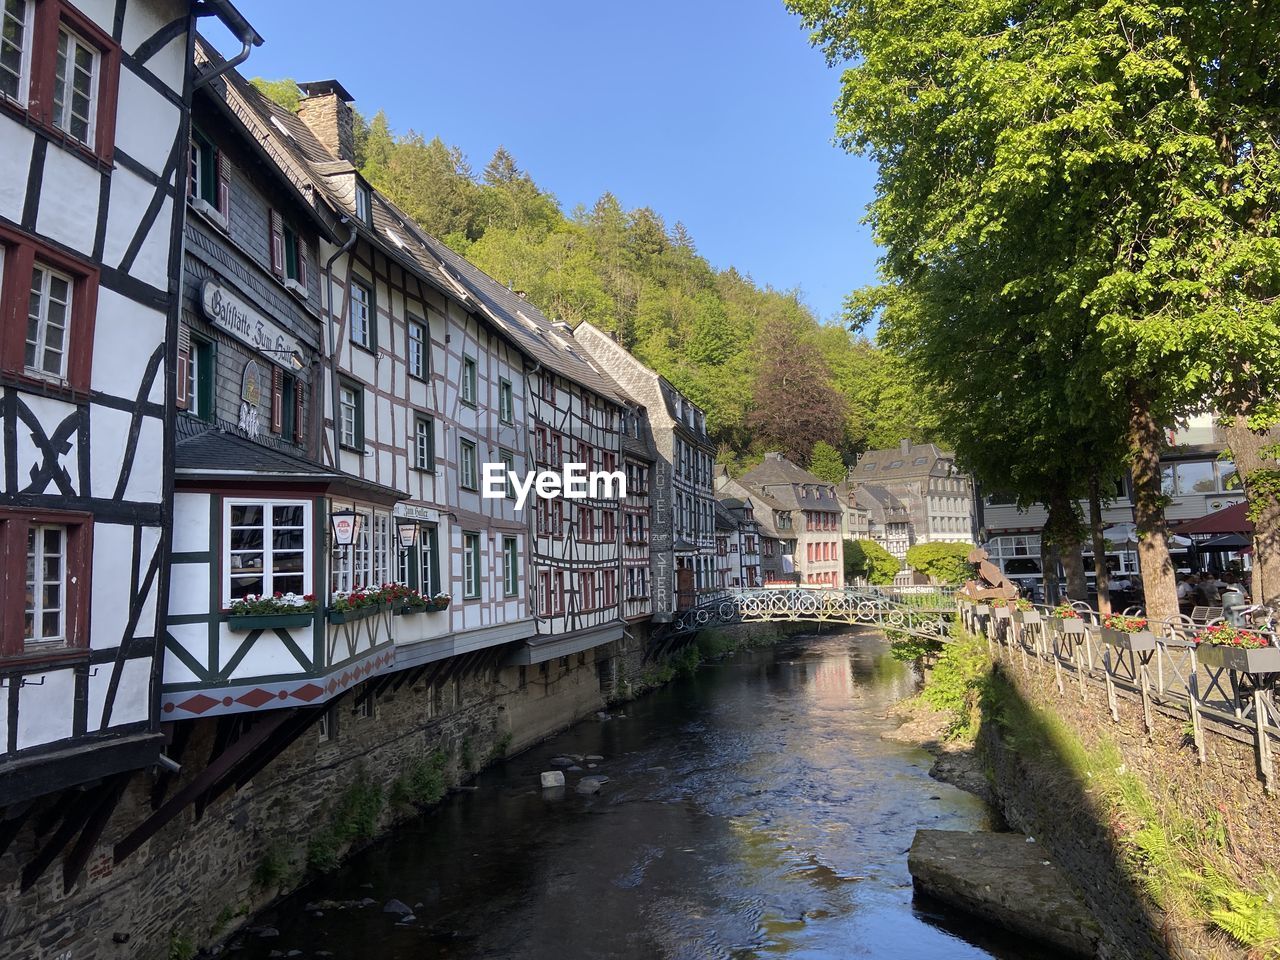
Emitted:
pixel 683 550
pixel 638 458
pixel 94 110
pixel 253 499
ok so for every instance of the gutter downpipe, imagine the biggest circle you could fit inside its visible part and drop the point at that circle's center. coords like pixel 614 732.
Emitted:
pixel 242 30
pixel 330 324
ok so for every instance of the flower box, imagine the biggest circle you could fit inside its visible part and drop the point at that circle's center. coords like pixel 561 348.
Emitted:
pixel 1001 613
pixel 268 621
pixel 982 609
pixel 1142 641
pixel 1240 659
pixel 409 608
pixel 1025 616
pixel 360 613
pixel 1069 627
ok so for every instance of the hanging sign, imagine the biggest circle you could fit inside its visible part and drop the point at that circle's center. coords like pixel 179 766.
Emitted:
pixel 229 312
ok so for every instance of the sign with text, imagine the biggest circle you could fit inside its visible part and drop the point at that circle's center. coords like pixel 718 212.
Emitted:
pixel 228 311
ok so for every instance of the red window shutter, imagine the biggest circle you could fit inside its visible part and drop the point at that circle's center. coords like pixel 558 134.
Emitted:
pixel 277 244
pixel 277 399
pixel 224 185
pixel 184 366
pixel 297 413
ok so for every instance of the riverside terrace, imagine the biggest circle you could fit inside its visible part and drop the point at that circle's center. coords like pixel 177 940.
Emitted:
pixel 1175 669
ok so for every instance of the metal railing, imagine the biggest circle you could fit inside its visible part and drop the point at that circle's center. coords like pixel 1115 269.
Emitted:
pixel 1164 666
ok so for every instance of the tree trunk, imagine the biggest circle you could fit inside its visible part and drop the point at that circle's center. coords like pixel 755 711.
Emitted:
pixel 1259 474
pixel 1102 576
pixel 1064 521
pixel 1049 563
pixel 1146 440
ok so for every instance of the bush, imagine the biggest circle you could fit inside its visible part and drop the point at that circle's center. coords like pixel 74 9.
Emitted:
pixel 866 558
pixel 957 682
pixel 944 562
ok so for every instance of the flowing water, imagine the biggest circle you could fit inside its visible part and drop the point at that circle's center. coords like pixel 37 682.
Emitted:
pixel 751 811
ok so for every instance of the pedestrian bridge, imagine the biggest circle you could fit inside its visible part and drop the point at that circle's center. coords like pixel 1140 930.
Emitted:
pixel 924 611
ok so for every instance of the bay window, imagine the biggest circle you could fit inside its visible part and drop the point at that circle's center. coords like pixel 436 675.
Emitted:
pixel 265 548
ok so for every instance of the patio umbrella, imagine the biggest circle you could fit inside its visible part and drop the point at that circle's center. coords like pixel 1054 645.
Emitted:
pixel 1225 543
pixel 1125 535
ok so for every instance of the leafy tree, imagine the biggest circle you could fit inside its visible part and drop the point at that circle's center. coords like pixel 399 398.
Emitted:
pixel 795 405
pixel 945 562
pixel 866 558
pixel 826 463
pixel 1105 164
pixel 283 92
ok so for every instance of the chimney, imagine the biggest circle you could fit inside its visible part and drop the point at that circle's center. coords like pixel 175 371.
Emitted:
pixel 905 445
pixel 326 109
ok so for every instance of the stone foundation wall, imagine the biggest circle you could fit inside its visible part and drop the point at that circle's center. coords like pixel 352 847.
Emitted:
pixel 199 878
pixel 1073 827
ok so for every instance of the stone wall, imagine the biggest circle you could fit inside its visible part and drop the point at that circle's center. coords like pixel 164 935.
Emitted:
pixel 1073 826
pixel 201 876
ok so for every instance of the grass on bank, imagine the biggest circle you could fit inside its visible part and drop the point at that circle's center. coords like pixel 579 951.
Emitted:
pixel 1181 858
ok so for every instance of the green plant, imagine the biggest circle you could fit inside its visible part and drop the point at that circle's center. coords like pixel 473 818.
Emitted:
pixel 466 755
pixel 955 683
pixel 424 781
pixel 180 946
pixel 272 867
pixel 912 649
pixel 866 558
pixel 261 606
pixel 499 749
pixel 354 817
pixel 944 562
pixel 687 661
pixel 1226 635
pixel 1124 623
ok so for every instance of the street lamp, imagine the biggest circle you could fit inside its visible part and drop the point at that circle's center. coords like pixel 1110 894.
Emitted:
pixel 407 533
pixel 346 524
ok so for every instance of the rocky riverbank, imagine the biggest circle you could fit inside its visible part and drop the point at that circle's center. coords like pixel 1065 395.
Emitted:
pixel 954 761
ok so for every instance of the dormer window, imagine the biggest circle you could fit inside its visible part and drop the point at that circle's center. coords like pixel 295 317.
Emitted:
pixel 364 204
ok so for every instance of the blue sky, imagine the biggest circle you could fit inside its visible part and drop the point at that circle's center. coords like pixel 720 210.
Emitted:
pixel 714 112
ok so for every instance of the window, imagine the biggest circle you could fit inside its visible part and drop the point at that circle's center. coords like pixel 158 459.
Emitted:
pixel 206 179
pixel 75 88
pixel 359 315
pixel 418 567
pixel 508 461
pixel 424 443
pixel 510 566
pixel 47 557
pixel 288 254
pixel 364 206
pixel 364 706
pixel 586 525
pixel 195 376
pixel 15 49
pixel 286 405
pixel 608 526
pixel 48 322
pixel 265 548
pixel 417 355
pixel 467 477
pixel 608 588
pixel 381 550
pixel 327 726
pixel 471 565
pixel 351 416
pixel 469 389
pixel 506 402
pixel 544 593
pixel 44 615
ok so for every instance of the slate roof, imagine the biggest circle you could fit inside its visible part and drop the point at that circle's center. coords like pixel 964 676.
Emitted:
pixel 778 478
pixel 724 519
pixel 874 465
pixel 223 449
pixel 313 170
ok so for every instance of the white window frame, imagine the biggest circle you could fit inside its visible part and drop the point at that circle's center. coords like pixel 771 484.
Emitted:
pixel 506 402
pixel 471 566
pixel 381 550
pixel 417 365
pixel 75 40
pixel 510 566
pixel 37 588
pixel 468 473
pixel 361 303
pixel 348 438
pixel 364 204
pixel 42 322
pixel 267 546
pixel 24 54
pixel 470 380
pixel 424 443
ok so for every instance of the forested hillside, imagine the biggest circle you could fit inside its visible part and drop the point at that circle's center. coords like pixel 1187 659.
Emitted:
pixel 768 373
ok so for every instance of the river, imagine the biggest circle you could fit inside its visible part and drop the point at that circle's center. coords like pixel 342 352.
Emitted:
pixel 752 811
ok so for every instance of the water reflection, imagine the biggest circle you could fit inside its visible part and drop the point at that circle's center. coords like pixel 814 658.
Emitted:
pixel 752 811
